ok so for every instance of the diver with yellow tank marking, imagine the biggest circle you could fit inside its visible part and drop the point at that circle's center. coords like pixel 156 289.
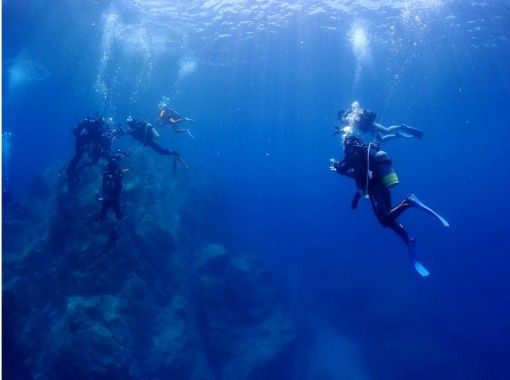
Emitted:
pixel 372 170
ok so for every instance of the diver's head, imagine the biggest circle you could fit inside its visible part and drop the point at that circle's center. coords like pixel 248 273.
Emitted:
pixel 130 119
pixel 164 103
pixel 351 142
pixel 98 121
pixel 355 105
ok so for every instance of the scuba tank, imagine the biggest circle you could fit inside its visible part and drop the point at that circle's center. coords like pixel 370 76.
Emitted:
pixel 385 170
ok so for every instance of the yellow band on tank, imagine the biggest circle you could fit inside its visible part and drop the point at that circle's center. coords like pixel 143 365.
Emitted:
pixel 390 180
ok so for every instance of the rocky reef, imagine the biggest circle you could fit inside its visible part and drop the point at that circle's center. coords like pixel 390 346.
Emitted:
pixel 149 297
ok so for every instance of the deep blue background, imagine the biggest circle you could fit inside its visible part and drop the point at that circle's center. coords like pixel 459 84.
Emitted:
pixel 264 108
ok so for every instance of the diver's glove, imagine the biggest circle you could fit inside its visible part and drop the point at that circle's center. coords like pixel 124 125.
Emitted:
pixel 338 166
pixel 333 164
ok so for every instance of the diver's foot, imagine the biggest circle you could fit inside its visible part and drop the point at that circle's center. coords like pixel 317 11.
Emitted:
pixel 413 201
pixel 414 132
pixel 418 266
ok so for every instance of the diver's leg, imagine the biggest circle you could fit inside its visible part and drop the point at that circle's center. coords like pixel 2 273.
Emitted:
pixel 381 204
pixel 381 128
pixel 382 133
pixel 384 137
pixel 401 231
pixel 380 198
pixel 415 132
pixel 116 208
pixel 161 150
pixel 415 202
pixel 179 130
pixel 104 209
pixel 182 130
pixel 396 211
pixel 405 131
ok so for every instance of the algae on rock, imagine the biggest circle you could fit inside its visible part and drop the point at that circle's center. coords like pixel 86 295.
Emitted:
pixel 159 302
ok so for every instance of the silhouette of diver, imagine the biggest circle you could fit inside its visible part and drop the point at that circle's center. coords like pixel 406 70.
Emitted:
pixel 111 187
pixel 93 136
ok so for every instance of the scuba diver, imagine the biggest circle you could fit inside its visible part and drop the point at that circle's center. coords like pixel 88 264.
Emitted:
pixel 111 187
pixel 144 132
pixel 371 169
pixel 168 116
pixel 363 120
pixel 93 136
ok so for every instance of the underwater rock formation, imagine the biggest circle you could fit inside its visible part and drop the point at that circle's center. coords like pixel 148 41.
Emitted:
pixel 159 301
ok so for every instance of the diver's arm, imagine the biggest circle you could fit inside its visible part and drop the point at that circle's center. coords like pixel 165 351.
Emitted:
pixel 176 120
pixel 343 168
pixel 355 200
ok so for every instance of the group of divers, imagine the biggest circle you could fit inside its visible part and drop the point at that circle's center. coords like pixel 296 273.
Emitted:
pixel 369 166
pixel 372 171
pixel 94 137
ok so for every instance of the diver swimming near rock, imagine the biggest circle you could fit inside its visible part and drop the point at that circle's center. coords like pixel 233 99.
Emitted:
pixel 111 187
pixel 94 136
pixel 144 132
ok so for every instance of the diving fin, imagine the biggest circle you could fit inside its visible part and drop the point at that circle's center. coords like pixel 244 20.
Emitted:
pixel 415 202
pixel 414 259
pixel 189 133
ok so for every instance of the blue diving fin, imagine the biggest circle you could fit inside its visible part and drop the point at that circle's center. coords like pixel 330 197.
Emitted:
pixel 420 205
pixel 414 259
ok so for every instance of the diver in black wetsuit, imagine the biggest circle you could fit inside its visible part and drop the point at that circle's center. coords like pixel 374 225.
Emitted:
pixel 363 120
pixel 111 188
pixel 101 147
pixel 371 168
pixel 93 136
pixel 354 165
pixel 144 132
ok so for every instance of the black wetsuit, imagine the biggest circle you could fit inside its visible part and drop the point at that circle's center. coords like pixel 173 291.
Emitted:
pixel 111 189
pixel 92 137
pixel 354 165
pixel 142 131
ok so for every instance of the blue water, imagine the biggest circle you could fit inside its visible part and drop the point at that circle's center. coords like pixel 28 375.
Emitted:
pixel 263 82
